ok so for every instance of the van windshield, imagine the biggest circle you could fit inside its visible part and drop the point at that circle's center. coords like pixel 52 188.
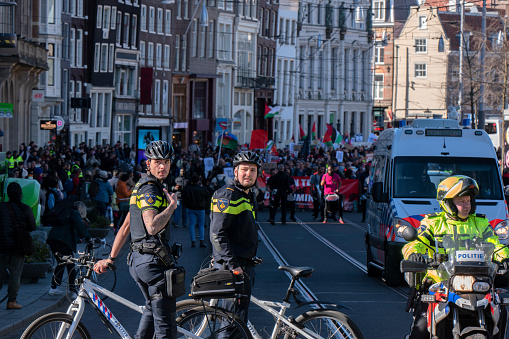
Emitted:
pixel 418 177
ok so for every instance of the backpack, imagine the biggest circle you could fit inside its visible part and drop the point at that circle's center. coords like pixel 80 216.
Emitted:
pixel 59 214
pixel 93 189
pixel 69 186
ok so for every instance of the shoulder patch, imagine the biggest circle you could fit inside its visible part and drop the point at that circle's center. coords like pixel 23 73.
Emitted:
pixel 150 198
pixel 479 215
pixel 422 228
pixel 222 204
pixel 432 215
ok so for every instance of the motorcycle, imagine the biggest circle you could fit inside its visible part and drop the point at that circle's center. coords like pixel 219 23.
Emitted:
pixel 465 304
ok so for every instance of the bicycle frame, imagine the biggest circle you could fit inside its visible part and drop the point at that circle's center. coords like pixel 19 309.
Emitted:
pixel 87 292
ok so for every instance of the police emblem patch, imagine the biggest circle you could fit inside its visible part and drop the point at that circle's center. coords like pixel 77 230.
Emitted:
pixel 421 229
pixel 222 204
pixel 150 199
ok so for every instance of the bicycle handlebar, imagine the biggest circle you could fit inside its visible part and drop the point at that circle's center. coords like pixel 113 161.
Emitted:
pixel 83 259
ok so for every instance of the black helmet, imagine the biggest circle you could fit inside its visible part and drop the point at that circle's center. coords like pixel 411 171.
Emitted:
pixel 247 157
pixel 159 149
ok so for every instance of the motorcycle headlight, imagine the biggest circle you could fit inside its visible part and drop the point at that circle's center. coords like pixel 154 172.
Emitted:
pixel 502 230
pixel 481 286
pixel 463 283
pixel 400 225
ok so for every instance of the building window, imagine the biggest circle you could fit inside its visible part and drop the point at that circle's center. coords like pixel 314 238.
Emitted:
pixel 194 36
pixel 165 97
pixel 134 29
pixel 177 52
pixel 184 53
pixel 79 8
pixel 143 23
pixel 159 52
pixel 441 46
pixel 106 17
pixel 379 10
pixel 111 57
pixel 167 56
pixel 119 28
pixel 294 31
pixel 159 21
pixel 203 35
pixel 50 78
pixel 143 56
pixel 311 65
pixel 123 132
pixel 104 58
pixel 179 9
pixel 157 96
pixel 99 16
pixel 229 5
pixel 151 19
pixel 79 48
pixel 310 13
pixel 420 46
pixel 167 22
pixel 423 22
pixel 186 9
pixel 420 70
pixel 150 54
pixel 113 17
pixel 126 29
pixel 97 57
pixel 212 26
pixel 379 54
pixel 72 49
pixel 334 74
pixel 379 86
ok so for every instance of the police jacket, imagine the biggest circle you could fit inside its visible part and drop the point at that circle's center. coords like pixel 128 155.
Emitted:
pixel 233 229
pixel 435 226
pixel 147 194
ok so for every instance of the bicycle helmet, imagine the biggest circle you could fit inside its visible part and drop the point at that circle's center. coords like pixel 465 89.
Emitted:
pixel 247 157
pixel 456 186
pixel 159 149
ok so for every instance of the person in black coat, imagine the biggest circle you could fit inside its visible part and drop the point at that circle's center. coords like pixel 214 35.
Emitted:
pixel 279 186
pixel 11 255
pixel 196 199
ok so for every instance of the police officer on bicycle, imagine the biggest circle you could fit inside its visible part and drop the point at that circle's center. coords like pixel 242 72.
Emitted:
pixel 233 229
pixel 151 207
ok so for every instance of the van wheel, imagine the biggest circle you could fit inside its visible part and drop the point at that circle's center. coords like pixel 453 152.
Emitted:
pixel 391 274
pixel 372 271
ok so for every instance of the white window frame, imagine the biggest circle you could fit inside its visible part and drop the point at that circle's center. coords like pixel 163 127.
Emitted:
pixel 421 46
pixel 159 56
pixel 104 59
pixel 167 57
pixel 126 26
pixel 177 52
pixel 97 57
pixel 111 61
pixel 167 22
pixel 157 96
pixel 106 18
pixel 99 22
pixel 79 48
pixel 423 22
pixel 379 10
pixel 379 87
pixel 210 46
pixel 379 55
pixel 151 19
pixel 72 49
pixel 79 8
pixel 420 70
pixel 134 30
pixel 143 23
pixel 150 54
pixel 113 17
pixel 166 94
pixel 160 20
pixel 143 54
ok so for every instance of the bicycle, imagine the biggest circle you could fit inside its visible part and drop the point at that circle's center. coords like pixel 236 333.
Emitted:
pixel 317 323
pixel 68 325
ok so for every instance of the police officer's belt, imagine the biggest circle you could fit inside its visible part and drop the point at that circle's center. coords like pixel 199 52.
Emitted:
pixel 144 247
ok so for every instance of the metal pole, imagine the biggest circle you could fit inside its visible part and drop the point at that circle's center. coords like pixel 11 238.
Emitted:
pixel 220 146
pixel 460 93
pixel 480 116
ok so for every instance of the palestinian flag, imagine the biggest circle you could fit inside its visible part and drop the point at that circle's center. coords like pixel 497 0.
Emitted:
pixel 229 140
pixel 269 145
pixel 270 112
pixel 302 134
pixel 332 136
pixel 313 131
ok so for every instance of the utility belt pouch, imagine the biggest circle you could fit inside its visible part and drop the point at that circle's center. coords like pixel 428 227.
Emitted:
pixel 175 282
pixel 164 256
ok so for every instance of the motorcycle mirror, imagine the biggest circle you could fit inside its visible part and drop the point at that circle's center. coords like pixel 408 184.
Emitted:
pixel 410 233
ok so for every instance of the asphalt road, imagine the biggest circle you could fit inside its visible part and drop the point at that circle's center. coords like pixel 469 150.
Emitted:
pixel 336 252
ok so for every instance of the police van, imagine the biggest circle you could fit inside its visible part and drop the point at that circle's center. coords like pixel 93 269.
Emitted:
pixel 408 164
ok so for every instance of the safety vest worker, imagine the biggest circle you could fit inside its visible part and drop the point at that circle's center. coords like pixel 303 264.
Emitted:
pixel 10 159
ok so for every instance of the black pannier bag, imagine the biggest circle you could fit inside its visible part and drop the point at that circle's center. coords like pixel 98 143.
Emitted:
pixel 213 283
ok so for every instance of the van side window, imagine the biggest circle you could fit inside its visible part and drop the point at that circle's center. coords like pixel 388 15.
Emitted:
pixel 379 172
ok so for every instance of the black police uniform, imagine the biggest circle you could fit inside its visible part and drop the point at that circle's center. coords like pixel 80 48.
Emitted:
pixel 234 238
pixel 146 268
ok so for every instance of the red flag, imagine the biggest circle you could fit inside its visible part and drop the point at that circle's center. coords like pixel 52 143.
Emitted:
pixel 313 131
pixel 267 109
pixel 146 85
pixel 293 137
pixel 302 134
pixel 274 150
pixel 259 139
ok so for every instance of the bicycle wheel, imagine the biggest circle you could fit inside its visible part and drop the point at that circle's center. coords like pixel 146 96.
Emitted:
pixel 188 304
pixel 213 322
pixel 49 325
pixel 327 324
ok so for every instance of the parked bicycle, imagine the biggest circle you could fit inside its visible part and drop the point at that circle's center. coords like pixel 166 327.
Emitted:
pixel 325 321
pixel 68 325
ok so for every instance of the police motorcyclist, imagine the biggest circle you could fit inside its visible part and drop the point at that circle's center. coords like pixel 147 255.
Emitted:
pixel 149 216
pixel 456 196
pixel 233 229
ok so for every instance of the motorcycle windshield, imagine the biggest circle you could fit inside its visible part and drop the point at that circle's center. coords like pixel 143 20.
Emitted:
pixel 465 252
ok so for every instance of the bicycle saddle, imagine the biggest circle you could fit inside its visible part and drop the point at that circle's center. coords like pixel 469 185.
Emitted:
pixel 297 272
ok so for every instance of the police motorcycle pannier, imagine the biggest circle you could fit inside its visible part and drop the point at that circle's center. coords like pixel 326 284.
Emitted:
pixel 213 283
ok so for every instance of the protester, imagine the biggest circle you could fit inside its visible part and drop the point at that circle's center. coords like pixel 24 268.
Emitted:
pixel 13 214
pixel 196 199
pixel 62 239
pixel 177 187
pixel 105 193
pixel 279 185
